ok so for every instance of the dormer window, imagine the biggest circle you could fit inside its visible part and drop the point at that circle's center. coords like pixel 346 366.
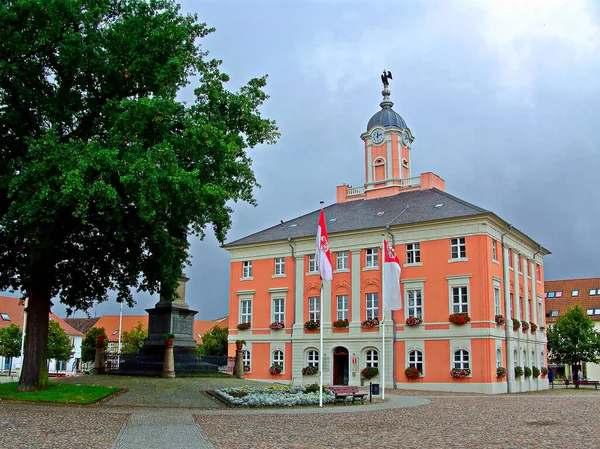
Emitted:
pixel 379 169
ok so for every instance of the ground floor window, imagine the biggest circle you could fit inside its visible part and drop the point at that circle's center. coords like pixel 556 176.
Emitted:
pixel 372 358
pixel 461 359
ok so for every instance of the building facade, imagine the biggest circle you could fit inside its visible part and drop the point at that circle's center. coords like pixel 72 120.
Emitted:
pixel 565 293
pixel 456 258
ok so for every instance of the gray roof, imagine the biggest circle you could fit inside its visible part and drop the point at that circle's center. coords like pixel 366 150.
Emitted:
pixel 83 325
pixel 403 208
pixel 387 118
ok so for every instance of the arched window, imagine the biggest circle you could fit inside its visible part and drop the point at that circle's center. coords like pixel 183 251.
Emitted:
pixel 372 358
pixel 312 358
pixel 379 169
pixel 533 358
pixel 524 358
pixel 461 359
pixel 542 360
pixel 415 360
pixel 498 358
pixel 277 358
pixel 246 360
pixel 515 356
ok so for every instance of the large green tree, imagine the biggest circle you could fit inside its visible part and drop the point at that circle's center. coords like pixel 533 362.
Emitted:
pixel 133 340
pixel 89 343
pixel 10 343
pixel 59 344
pixel 214 342
pixel 103 173
pixel 572 339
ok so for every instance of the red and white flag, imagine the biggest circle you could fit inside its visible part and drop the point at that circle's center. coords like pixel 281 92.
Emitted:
pixel 323 255
pixel 391 278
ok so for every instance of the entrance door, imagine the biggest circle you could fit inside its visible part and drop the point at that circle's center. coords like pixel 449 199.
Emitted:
pixel 340 366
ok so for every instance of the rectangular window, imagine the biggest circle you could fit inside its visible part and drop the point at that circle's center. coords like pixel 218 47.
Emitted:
pixel 246 311
pixel 559 294
pixel 342 307
pixel 246 360
pixel 413 253
pixel 279 310
pixel 510 258
pixel 520 263
pixel 521 310
pixel 372 305
pixel 415 305
pixel 314 308
pixel 458 248
pixel 5 317
pixel 594 291
pixel 527 268
pixel 510 306
pixel 590 311
pixel 554 313
pixel 372 257
pixel 575 293
pixel 550 295
pixel 540 312
pixel 537 272
pixel 247 269
pixel 342 260
pixel 494 250
pixel 460 302
pixel 279 266
pixel 497 308
pixel 596 311
pixel 312 264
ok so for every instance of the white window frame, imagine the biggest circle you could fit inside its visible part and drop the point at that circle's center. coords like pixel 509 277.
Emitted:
pixel 312 358
pixel 459 281
pixel 277 356
pixel 498 357
pixel 314 308
pixel 460 293
pixel 372 258
pixel 511 305
pixel 494 251
pixel 280 266
pixel 245 310
pixel 574 293
pixel 246 359
pixel 372 304
pixel 413 253
pixel 312 263
pixel 458 248
pixel 341 260
pixel 463 361
pixel 279 309
pixel 542 360
pixel 415 360
pixel 372 358
pixel 414 300
pixel 497 297
pixel 247 269
pixel 342 308
pixel 516 358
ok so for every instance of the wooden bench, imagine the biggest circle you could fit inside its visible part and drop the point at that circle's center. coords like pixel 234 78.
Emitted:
pixel 346 392
pixel 586 382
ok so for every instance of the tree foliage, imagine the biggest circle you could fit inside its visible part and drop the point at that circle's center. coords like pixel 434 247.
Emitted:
pixel 214 342
pixel 133 340
pixel 59 344
pixel 10 342
pixel 103 173
pixel 572 339
pixel 88 346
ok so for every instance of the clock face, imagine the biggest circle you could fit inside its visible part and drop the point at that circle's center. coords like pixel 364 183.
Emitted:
pixel 377 136
pixel 405 139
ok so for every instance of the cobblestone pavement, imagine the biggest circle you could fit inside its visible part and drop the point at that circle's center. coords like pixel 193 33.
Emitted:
pixel 407 419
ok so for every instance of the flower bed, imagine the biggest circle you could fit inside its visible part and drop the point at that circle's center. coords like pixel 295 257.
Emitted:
pixel 276 368
pixel 311 325
pixel 243 326
pixel 274 396
pixel 369 372
pixel 525 325
pixel 412 373
pixel 459 319
pixel 310 370
pixel 413 321
pixel 516 324
pixel 370 322
pixel 460 373
pixel 500 372
pixel 500 320
pixel 340 323
pixel 276 325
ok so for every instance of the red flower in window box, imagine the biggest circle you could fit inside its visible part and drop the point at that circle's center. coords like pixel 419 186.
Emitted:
pixel 243 326
pixel 340 323
pixel 412 373
pixel 276 325
pixel 413 321
pixel 459 319
pixel 500 320
pixel 370 322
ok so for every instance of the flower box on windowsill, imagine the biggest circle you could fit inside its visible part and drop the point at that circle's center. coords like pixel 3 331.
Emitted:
pixel 309 370
pixel 412 373
pixel 246 368
pixel 460 373
pixel 369 372
pixel 340 330
pixel 460 319
pixel 277 325
pixel 500 372
pixel 413 321
pixel 312 325
pixel 534 327
pixel 500 320
pixel 525 326
pixel 275 368
pixel 516 324
pixel 243 326
pixel 339 324
pixel 370 323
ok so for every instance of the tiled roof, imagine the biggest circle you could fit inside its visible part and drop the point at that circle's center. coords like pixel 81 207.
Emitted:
pixel 565 289
pixel 403 208
pixel 81 324
pixel 110 323
pixel 69 330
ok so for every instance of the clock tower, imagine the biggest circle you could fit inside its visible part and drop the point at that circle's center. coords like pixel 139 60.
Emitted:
pixel 387 148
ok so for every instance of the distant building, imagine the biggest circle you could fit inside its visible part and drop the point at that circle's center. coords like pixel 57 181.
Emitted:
pixel 565 293
pixel 456 258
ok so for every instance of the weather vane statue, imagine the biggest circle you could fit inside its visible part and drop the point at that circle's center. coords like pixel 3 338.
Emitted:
pixel 387 75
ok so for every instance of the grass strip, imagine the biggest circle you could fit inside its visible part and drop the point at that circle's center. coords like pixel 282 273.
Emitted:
pixel 58 393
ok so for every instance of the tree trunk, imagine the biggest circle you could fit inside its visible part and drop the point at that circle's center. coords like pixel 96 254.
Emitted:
pixel 34 374
pixel 9 365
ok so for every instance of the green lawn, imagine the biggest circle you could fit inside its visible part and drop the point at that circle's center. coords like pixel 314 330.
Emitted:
pixel 59 393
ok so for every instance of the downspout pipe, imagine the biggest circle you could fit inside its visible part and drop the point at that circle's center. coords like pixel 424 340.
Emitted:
pixel 388 230
pixel 504 281
pixel 293 286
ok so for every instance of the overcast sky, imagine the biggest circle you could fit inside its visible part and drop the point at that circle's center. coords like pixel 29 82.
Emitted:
pixel 503 98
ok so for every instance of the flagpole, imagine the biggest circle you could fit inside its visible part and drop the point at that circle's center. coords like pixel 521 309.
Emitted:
pixel 321 349
pixel 382 325
pixel 119 343
pixel 23 336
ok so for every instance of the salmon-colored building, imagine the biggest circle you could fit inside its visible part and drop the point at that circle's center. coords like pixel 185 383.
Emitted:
pixel 456 258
